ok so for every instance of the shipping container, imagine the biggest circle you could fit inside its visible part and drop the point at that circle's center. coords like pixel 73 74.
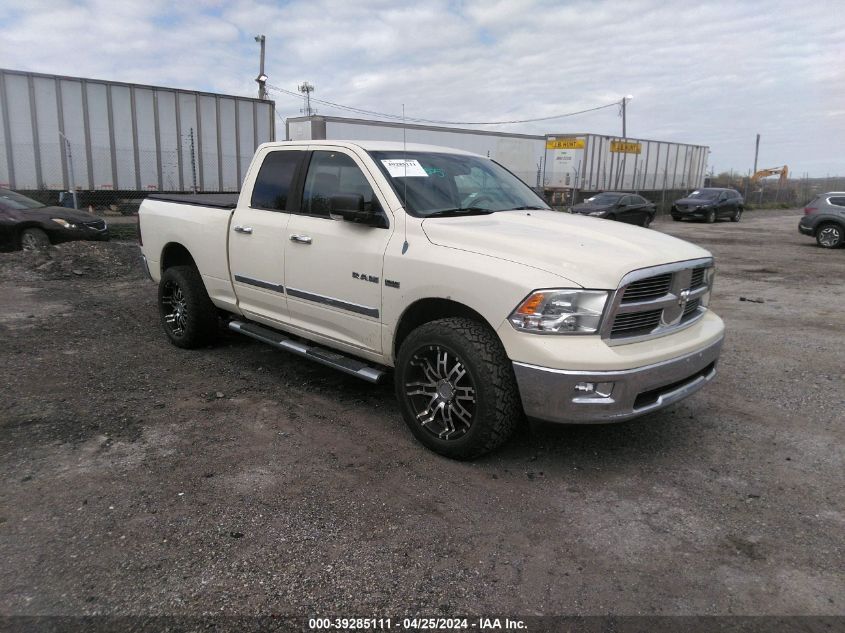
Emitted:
pixel 592 162
pixel 114 136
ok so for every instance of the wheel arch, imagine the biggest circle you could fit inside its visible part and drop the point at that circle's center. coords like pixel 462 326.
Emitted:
pixel 175 254
pixel 429 309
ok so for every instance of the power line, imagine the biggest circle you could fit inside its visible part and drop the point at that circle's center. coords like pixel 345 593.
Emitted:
pixel 399 117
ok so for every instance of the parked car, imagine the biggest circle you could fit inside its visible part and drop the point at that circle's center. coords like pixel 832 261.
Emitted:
pixel 28 224
pixel 618 205
pixel 709 204
pixel 361 256
pixel 824 219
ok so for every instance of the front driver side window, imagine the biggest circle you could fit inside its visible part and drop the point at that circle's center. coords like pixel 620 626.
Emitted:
pixel 334 174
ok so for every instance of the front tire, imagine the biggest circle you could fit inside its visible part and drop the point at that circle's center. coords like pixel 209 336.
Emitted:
pixel 830 235
pixel 710 218
pixel 34 239
pixel 736 216
pixel 188 316
pixel 456 388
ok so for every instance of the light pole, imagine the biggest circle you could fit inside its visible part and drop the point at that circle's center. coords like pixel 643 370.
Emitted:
pixel 72 178
pixel 625 101
pixel 262 78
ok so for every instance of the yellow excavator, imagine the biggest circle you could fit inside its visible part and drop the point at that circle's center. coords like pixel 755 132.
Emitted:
pixel 772 171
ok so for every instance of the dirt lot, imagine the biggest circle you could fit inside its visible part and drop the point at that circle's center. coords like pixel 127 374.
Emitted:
pixel 138 478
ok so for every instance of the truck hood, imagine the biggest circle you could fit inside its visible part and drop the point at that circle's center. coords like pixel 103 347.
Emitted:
pixel 590 252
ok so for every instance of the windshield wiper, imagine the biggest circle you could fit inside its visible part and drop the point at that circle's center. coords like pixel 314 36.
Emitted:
pixel 451 213
pixel 527 209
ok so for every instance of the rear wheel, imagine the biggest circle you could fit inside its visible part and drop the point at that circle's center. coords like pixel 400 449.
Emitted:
pixel 830 235
pixel 187 315
pixel 34 239
pixel 456 388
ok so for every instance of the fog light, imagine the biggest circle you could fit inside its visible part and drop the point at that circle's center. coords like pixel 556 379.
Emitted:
pixel 599 389
pixel 604 389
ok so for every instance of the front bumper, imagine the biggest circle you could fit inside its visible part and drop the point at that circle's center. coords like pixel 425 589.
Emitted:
pixel 79 235
pixel 557 395
pixel 692 214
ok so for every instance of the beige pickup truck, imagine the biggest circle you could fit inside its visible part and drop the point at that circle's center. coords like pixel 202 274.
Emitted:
pixel 440 267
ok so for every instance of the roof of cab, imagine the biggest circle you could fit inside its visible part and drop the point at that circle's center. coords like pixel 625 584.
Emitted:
pixel 373 146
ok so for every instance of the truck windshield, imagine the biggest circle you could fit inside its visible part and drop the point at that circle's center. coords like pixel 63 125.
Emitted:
pixel 446 185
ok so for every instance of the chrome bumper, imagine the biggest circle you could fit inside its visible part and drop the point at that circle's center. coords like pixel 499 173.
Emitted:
pixel 557 395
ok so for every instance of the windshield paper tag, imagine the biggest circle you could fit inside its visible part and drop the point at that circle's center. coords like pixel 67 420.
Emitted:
pixel 399 168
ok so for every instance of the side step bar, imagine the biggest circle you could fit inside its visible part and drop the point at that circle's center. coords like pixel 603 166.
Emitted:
pixel 311 351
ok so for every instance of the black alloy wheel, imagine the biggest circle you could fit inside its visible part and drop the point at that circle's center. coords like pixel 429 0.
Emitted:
pixel 456 388
pixel 188 316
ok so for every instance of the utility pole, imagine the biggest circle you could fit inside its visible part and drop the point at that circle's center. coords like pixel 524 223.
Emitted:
pixel 306 89
pixel 756 152
pixel 70 170
pixel 262 78
pixel 625 101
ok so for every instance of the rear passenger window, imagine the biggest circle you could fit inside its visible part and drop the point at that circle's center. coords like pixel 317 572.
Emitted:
pixel 274 180
pixel 838 201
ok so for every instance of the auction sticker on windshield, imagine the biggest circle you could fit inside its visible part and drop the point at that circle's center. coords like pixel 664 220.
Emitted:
pixel 399 168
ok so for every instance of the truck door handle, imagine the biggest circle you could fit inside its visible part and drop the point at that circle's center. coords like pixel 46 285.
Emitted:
pixel 300 239
pixel 242 229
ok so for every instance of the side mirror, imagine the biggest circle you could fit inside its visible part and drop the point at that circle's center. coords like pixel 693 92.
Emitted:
pixel 351 208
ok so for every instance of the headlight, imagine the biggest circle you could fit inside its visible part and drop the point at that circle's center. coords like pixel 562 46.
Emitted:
pixel 560 311
pixel 64 223
pixel 596 212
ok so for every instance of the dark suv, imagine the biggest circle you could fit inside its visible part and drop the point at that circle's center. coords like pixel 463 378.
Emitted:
pixel 824 219
pixel 709 204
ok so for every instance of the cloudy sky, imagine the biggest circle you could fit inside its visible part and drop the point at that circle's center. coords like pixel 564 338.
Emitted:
pixel 712 73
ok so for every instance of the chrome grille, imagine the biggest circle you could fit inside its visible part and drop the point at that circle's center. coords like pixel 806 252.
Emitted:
pixel 649 288
pixel 95 224
pixel 656 301
pixel 635 322
pixel 691 307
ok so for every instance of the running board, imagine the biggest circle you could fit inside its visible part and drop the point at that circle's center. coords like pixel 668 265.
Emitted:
pixel 311 351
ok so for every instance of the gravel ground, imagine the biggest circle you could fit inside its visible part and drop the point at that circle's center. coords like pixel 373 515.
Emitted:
pixel 138 478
